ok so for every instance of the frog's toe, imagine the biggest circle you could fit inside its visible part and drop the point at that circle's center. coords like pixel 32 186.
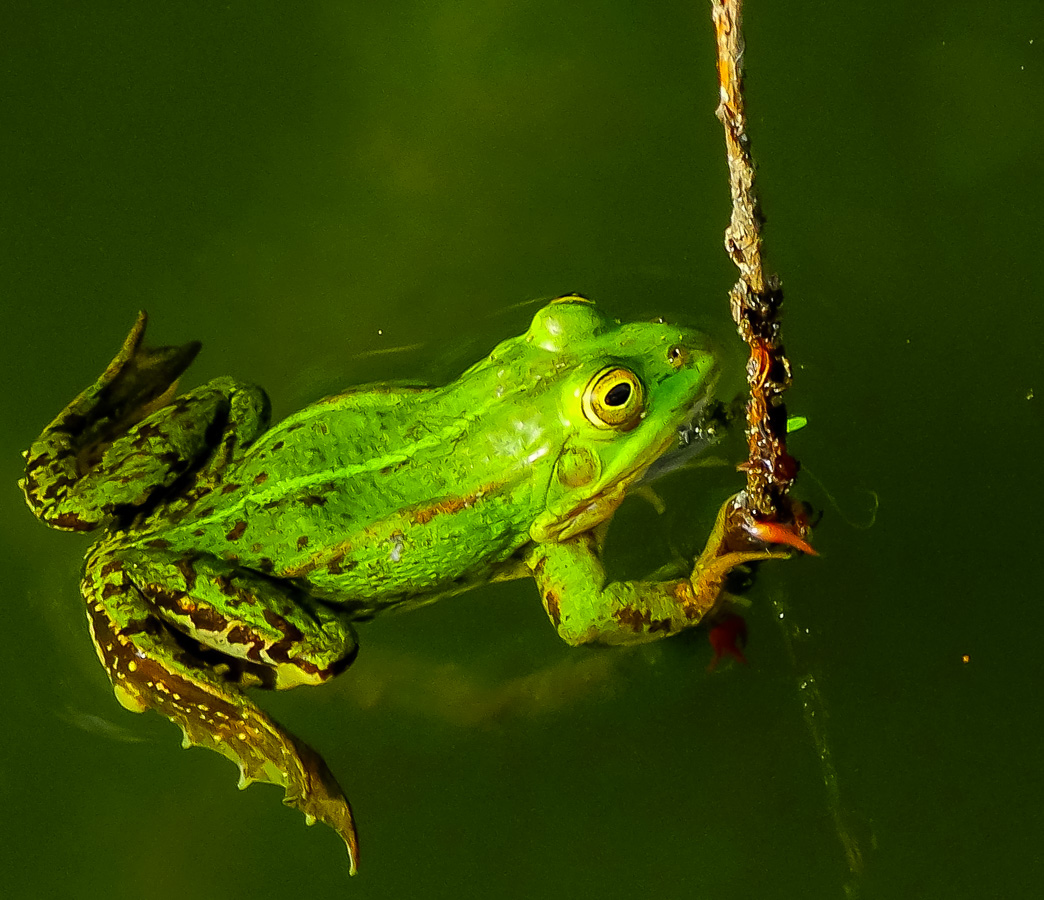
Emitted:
pixel 140 378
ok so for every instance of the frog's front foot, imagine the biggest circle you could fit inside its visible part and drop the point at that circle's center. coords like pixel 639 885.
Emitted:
pixel 735 541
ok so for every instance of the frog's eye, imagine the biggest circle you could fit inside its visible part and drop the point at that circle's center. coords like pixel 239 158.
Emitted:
pixel 615 398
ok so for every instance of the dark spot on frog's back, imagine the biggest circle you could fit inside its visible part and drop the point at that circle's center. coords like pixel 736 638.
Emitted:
pixel 237 532
pixel 278 445
pixel 336 565
pixel 317 497
pixel 261 478
pixel 230 488
pixel 302 542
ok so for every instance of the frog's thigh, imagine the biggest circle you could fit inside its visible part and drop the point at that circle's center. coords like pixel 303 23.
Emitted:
pixel 206 423
pixel 247 616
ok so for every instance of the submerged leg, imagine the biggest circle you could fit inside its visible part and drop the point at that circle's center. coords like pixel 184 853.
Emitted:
pixel 153 666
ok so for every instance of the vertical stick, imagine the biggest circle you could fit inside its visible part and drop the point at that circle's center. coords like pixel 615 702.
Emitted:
pixel 755 299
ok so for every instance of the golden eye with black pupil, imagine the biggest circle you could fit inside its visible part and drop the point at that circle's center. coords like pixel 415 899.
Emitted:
pixel 677 356
pixel 614 398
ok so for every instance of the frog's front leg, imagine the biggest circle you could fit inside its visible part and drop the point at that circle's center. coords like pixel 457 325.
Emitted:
pixel 584 609
pixel 166 646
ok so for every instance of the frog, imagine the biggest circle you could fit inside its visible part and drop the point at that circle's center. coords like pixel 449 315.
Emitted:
pixel 236 554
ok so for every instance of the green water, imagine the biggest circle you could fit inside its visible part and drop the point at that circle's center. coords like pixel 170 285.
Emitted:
pixel 304 186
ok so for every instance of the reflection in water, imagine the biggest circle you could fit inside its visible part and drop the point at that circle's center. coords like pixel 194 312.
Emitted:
pixel 814 710
pixel 454 693
pixel 99 726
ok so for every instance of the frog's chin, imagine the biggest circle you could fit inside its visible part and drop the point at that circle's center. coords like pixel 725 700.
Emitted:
pixel 598 506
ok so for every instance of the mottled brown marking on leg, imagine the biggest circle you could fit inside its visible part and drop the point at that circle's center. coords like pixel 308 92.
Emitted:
pixel 629 617
pixel 188 572
pixel 553 606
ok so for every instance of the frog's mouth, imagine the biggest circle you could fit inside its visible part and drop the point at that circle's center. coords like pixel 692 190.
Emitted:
pixel 707 422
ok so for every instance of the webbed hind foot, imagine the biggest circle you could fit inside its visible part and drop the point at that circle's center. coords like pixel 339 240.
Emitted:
pixel 138 381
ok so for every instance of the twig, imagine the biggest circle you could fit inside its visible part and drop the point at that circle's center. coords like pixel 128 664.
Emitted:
pixel 755 299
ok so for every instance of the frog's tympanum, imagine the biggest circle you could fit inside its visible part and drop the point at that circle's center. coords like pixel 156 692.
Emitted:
pixel 235 555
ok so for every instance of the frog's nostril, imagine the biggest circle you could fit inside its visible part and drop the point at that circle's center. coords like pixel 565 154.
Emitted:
pixel 677 356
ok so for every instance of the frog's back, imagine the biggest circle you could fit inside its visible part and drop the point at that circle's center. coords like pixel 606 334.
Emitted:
pixel 377 495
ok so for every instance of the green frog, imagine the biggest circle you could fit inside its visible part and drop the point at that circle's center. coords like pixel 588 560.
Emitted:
pixel 237 555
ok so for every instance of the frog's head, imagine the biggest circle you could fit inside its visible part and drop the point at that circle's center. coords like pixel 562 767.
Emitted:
pixel 622 391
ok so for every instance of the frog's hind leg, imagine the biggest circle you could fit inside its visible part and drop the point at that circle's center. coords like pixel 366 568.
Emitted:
pixel 273 633
pixel 126 439
pixel 138 381
pixel 151 666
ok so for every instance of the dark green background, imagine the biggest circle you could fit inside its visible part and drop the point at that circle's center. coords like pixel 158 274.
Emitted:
pixel 302 185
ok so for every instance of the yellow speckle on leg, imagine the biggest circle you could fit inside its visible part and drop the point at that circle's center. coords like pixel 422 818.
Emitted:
pixel 128 700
